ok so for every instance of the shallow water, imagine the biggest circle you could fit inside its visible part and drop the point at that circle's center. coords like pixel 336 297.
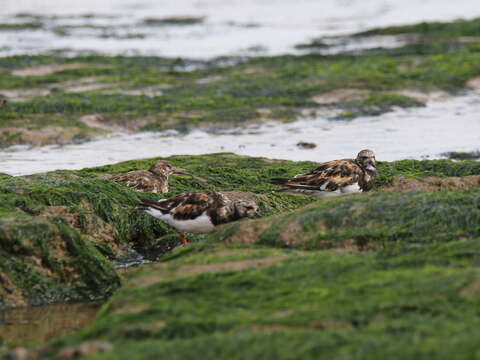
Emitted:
pixel 34 326
pixel 234 27
pixel 442 126
pixel 243 27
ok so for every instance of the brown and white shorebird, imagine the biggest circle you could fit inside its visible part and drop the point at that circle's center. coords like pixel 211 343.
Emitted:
pixel 337 177
pixel 199 212
pixel 153 180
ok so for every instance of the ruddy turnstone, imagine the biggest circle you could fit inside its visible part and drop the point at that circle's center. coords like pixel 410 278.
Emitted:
pixel 153 180
pixel 199 212
pixel 335 177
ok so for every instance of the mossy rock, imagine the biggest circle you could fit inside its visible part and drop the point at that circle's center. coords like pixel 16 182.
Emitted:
pixel 44 261
pixel 79 207
pixel 367 221
pixel 308 269
pixel 62 231
pixel 231 301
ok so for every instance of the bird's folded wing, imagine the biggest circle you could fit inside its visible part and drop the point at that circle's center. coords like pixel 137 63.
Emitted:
pixel 163 205
pixel 135 179
pixel 330 176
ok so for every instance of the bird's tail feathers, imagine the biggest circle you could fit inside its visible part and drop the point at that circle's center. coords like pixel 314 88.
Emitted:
pixel 146 204
pixel 279 181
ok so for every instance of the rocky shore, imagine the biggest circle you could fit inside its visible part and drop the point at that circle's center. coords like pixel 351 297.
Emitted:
pixel 334 269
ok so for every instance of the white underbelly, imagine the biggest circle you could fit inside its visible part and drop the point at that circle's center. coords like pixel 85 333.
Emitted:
pixel 351 189
pixel 201 224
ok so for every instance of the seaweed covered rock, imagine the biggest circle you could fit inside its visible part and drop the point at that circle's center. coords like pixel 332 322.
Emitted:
pixel 343 277
pixel 61 232
pixel 44 261
pixel 365 221
pixel 246 301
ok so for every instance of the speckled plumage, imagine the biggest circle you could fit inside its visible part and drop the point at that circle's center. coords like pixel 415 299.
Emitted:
pixel 153 180
pixel 199 212
pixel 335 177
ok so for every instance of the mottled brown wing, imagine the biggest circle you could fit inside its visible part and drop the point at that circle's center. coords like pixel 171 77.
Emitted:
pixel 329 176
pixel 196 203
pixel 140 180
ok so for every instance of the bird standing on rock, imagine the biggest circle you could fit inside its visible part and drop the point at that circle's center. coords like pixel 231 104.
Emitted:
pixel 337 177
pixel 199 212
pixel 153 180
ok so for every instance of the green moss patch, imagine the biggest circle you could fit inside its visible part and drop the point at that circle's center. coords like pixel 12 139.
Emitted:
pixel 62 230
pixel 178 21
pixel 344 267
pixel 436 29
pixel 20 26
pixel 332 305
pixel 461 155
pixel 77 210
pixel 377 104
pixel 234 92
pixel 362 222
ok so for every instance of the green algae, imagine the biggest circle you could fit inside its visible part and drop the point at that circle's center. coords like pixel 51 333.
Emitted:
pixel 80 210
pixel 377 104
pixel 345 268
pixel 178 21
pixel 20 26
pixel 433 29
pixel 46 261
pixel 60 231
pixel 367 305
pixel 190 94
pixel 461 155
pixel 402 218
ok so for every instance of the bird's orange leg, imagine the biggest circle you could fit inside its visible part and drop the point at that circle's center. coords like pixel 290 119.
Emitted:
pixel 183 239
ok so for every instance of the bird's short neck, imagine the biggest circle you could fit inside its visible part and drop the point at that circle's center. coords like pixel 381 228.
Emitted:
pixel 234 213
pixel 163 179
pixel 371 173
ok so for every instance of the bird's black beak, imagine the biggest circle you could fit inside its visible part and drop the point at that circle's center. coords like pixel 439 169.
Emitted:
pixel 179 172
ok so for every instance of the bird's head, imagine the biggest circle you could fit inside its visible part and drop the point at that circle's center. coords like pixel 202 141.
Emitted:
pixel 246 208
pixel 164 168
pixel 366 160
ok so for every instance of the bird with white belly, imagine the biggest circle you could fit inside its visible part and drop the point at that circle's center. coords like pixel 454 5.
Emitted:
pixel 337 177
pixel 199 212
